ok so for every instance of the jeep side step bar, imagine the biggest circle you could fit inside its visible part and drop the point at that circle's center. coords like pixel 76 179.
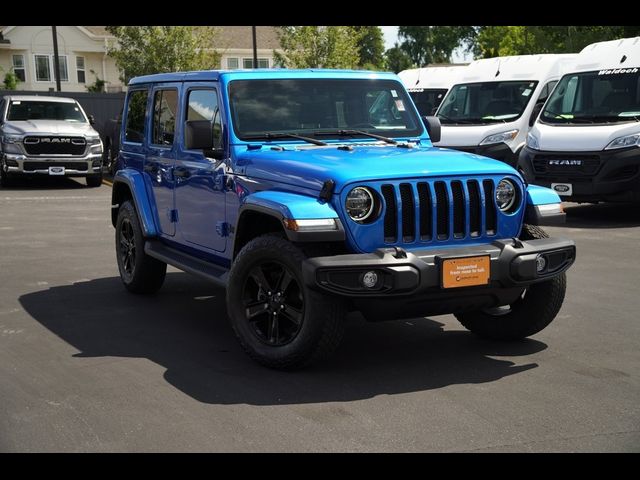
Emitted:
pixel 186 262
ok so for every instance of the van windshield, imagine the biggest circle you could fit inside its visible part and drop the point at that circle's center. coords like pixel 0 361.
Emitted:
pixel 311 107
pixel 427 99
pixel 20 110
pixel 603 96
pixel 486 102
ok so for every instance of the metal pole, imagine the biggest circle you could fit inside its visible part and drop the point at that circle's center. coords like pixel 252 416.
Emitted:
pixel 255 48
pixel 56 60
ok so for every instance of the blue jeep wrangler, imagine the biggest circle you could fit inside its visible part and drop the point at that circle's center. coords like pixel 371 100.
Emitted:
pixel 311 193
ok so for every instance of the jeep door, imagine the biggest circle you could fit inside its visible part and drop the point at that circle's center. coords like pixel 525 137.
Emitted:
pixel 200 189
pixel 161 152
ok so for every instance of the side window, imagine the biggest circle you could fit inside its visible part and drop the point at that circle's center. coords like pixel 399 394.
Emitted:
pixel 165 106
pixel 203 105
pixel 546 91
pixel 134 130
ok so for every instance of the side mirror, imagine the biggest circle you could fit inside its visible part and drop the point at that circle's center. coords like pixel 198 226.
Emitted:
pixel 92 119
pixel 535 112
pixel 199 135
pixel 433 128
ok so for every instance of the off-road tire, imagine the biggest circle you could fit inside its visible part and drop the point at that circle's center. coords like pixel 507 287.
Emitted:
pixel 142 274
pixel 527 316
pixel 322 325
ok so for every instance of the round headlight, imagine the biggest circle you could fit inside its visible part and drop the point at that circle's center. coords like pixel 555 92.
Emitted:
pixel 505 194
pixel 359 204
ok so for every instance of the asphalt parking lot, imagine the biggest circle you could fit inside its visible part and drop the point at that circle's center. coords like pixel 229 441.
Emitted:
pixel 86 366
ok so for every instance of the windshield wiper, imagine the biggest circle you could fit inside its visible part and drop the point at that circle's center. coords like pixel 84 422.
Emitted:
pixel 351 133
pixel 562 116
pixel 455 120
pixel 273 136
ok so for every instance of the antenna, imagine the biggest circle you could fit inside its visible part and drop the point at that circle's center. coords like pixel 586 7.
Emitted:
pixel 418 80
pixel 624 57
pixel 498 71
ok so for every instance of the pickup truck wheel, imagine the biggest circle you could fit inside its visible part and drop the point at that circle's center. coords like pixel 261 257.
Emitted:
pixel 5 179
pixel 279 322
pixel 530 313
pixel 139 272
pixel 94 181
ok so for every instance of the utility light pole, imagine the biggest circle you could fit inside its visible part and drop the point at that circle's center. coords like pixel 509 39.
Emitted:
pixel 255 48
pixel 56 60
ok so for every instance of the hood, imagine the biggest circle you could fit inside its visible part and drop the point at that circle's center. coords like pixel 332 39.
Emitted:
pixel 471 135
pixel 48 127
pixel 585 138
pixel 311 167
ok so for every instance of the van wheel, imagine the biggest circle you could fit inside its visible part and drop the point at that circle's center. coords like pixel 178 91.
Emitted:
pixel 280 322
pixel 536 307
pixel 139 272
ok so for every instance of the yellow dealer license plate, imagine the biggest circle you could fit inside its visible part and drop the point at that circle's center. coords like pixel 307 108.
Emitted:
pixel 465 272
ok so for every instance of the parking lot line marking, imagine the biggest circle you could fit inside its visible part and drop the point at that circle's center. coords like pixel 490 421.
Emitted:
pixel 107 182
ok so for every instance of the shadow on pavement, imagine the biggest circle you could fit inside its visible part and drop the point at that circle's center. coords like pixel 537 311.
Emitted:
pixel 184 328
pixel 602 215
pixel 44 182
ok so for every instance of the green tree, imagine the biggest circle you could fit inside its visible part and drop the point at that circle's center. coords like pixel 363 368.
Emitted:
pixel 433 44
pixel 143 50
pixel 493 41
pixel 318 47
pixel 370 47
pixel 10 79
pixel 397 60
pixel 98 85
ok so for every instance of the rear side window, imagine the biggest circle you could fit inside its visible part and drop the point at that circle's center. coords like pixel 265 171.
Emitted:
pixel 165 105
pixel 134 131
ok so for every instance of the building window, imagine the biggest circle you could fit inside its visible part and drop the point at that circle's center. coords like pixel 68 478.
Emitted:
pixel 64 75
pixel 80 69
pixel 43 69
pixel 262 63
pixel 232 63
pixel 19 68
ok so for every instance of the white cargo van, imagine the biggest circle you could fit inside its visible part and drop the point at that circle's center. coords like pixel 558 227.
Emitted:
pixel 495 102
pixel 585 142
pixel 428 86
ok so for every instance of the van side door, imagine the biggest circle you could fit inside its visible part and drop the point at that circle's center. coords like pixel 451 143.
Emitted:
pixel 200 179
pixel 160 153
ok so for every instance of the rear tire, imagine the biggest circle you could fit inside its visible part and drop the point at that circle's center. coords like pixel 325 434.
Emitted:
pixel 530 313
pixel 139 272
pixel 280 322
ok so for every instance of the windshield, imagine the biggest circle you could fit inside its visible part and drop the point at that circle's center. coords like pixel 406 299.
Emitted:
pixel 604 96
pixel 312 107
pixel 486 102
pixel 43 110
pixel 427 100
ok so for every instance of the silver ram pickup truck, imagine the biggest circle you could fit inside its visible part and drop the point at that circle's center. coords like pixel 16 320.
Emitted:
pixel 48 136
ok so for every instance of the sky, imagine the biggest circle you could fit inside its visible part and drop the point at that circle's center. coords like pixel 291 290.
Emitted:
pixel 391 37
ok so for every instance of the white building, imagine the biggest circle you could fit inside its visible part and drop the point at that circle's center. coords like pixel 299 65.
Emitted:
pixel 28 50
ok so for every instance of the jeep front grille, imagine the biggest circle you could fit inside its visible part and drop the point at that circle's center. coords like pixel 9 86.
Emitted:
pixel 442 210
pixel 52 145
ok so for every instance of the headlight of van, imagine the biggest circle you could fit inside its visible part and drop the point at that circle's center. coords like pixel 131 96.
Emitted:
pixel 622 142
pixel 532 142
pixel 360 204
pixel 500 137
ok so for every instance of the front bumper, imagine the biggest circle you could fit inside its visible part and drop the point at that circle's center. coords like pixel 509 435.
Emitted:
pixel 498 151
pixel 19 164
pixel 607 175
pixel 410 283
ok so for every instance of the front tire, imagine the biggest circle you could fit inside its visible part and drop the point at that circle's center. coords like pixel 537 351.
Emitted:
pixel 280 322
pixel 5 179
pixel 139 272
pixel 94 181
pixel 530 313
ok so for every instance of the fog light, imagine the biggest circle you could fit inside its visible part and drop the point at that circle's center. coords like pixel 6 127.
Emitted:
pixel 370 279
pixel 541 263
